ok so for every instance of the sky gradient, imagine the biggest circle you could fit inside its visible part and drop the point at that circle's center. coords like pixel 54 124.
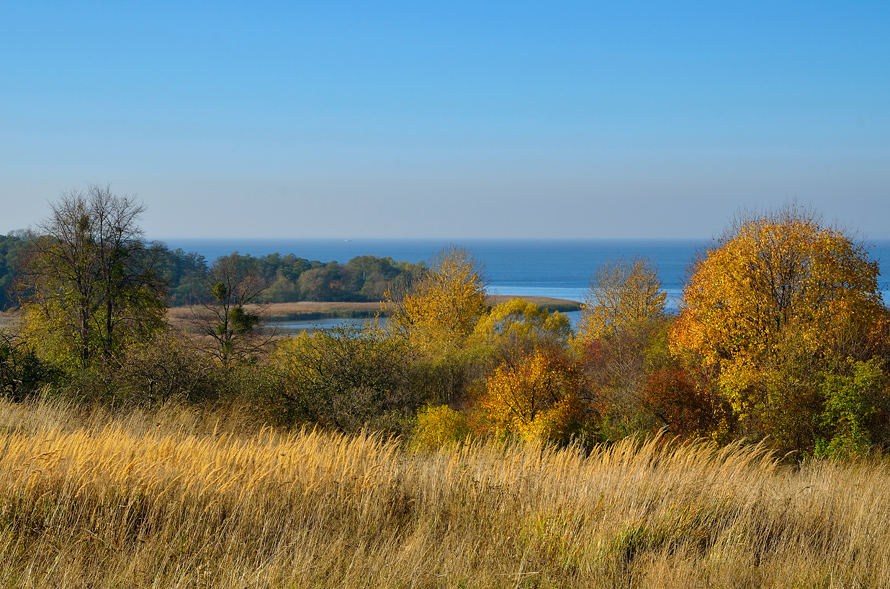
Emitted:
pixel 447 119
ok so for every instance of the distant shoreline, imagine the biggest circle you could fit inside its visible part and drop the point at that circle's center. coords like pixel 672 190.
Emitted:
pixel 312 310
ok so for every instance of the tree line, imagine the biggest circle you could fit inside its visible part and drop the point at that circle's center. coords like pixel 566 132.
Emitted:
pixel 286 277
pixel 781 337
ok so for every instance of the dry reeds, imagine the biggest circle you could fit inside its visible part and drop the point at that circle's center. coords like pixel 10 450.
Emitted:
pixel 177 498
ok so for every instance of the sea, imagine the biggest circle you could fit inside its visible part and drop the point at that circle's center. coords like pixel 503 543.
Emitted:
pixel 517 267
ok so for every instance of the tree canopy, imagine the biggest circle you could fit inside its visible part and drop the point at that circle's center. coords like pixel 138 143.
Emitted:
pixel 776 300
pixel 91 284
pixel 623 292
pixel 440 311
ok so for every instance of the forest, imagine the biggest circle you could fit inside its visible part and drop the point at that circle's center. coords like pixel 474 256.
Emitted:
pixel 286 278
pixel 774 367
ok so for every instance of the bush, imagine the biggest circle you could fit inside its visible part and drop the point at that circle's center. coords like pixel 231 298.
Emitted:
pixel 164 368
pixel 345 379
pixel 439 426
pixel 851 403
pixel 535 397
pixel 22 373
pixel 682 405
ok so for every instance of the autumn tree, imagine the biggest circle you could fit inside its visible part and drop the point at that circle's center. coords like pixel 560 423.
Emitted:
pixel 770 308
pixel 622 318
pixel 440 311
pixel 89 285
pixel 518 322
pixel 623 293
pixel 535 396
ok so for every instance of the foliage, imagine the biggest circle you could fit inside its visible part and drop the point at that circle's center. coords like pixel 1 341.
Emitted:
pixel 682 403
pixel 617 368
pixel 623 293
pixel 12 248
pixel 90 287
pixel 164 369
pixel 344 379
pixel 440 311
pixel 518 321
pixel 22 373
pixel 363 278
pixel 772 304
pixel 536 397
pixel 185 274
pixel 851 401
pixel 228 327
pixel 439 426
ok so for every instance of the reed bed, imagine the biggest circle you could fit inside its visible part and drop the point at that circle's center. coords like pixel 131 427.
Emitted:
pixel 180 498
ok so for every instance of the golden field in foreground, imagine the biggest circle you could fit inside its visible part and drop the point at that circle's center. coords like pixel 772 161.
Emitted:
pixel 182 498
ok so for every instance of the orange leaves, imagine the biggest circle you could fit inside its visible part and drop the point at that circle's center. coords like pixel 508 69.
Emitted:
pixel 777 287
pixel 535 396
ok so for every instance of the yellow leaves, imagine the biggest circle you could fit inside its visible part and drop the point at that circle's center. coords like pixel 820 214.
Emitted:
pixel 534 396
pixel 777 283
pixel 438 427
pixel 518 319
pixel 623 293
pixel 441 311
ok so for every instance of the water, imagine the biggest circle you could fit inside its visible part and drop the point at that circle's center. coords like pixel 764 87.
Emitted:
pixel 546 268
pixel 549 268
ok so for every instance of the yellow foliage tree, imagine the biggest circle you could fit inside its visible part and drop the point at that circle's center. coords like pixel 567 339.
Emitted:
pixel 778 295
pixel 623 293
pixel 535 396
pixel 520 320
pixel 441 310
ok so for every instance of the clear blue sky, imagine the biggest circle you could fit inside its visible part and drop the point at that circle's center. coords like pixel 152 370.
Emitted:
pixel 447 119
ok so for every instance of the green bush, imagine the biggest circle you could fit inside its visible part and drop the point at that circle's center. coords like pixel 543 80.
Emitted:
pixel 344 379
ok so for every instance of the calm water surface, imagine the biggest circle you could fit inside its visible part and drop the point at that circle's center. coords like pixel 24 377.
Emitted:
pixel 548 268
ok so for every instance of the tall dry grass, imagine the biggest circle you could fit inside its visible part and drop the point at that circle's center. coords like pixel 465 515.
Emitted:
pixel 177 498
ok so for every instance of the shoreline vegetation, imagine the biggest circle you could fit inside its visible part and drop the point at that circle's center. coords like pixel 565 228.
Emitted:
pixel 311 310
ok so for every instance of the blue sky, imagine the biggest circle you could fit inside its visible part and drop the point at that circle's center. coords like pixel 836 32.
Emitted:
pixel 448 119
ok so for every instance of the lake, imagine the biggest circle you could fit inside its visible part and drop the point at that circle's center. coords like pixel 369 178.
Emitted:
pixel 547 268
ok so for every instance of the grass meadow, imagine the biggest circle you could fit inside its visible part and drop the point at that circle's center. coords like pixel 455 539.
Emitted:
pixel 180 497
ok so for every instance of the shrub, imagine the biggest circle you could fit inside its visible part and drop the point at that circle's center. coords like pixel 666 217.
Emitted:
pixel 535 397
pixel 165 368
pixel 439 426
pixel 345 379
pixel 850 404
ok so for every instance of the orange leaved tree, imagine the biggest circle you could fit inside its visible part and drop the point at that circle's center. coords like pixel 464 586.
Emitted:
pixel 772 307
pixel 536 396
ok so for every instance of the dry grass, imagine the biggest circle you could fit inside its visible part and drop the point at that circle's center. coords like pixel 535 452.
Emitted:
pixel 177 498
pixel 180 316
pixel 315 310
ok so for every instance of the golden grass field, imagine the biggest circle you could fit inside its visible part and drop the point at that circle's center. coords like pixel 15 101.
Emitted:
pixel 183 498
